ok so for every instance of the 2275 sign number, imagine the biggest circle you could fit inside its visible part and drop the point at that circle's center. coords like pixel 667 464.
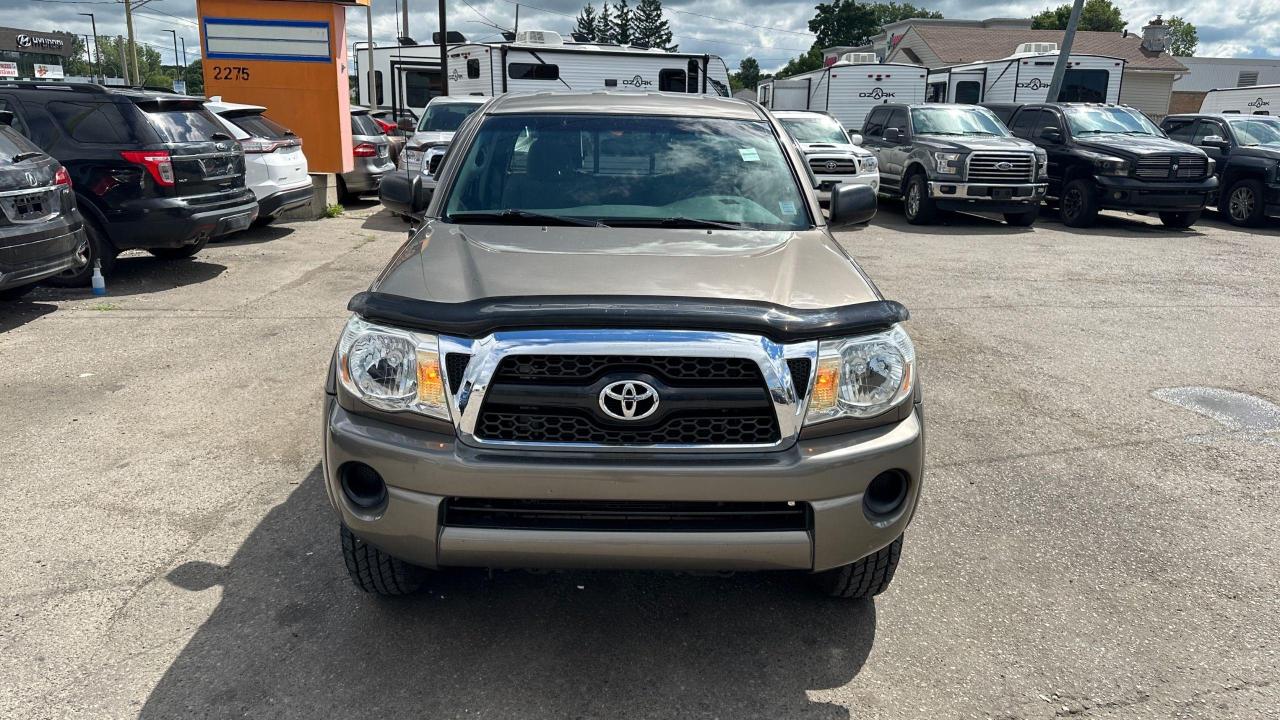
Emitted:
pixel 230 72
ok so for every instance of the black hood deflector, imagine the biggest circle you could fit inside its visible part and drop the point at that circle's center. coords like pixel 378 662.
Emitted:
pixel 478 318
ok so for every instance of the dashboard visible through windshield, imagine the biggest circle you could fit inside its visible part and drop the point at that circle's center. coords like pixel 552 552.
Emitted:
pixel 627 171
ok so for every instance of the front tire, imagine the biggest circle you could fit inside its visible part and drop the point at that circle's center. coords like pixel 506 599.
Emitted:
pixel 1022 219
pixel 1180 219
pixel 96 248
pixel 179 253
pixel 376 572
pixel 1244 206
pixel 865 578
pixel 345 196
pixel 1079 204
pixel 919 208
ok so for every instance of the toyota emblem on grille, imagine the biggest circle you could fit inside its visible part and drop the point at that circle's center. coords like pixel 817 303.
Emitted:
pixel 1004 165
pixel 831 165
pixel 628 400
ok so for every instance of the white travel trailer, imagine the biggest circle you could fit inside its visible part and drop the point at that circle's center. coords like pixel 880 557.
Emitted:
pixel 1024 77
pixel 1254 100
pixel 847 89
pixel 409 76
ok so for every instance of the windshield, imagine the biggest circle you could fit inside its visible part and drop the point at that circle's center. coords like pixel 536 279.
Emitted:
pixel 446 117
pixel 362 124
pixel 1256 132
pixel 1109 121
pixel 956 121
pixel 817 129
pixel 625 171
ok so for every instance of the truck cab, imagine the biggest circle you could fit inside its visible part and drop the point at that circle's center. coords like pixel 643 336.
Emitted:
pixel 1246 153
pixel 954 157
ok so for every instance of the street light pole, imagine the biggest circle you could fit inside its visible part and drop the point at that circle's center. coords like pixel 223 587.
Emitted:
pixel 174 33
pixel 1064 53
pixel 97 51
pixel 444 52
pixel 184 59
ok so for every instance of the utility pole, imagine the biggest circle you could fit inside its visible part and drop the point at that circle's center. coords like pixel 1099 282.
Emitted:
pixel 404 9
pixel 124 60
pixel 184 59
pixel 371 97
pixel 133 44
pixel 517 30
pixel 174 33
pixel 1064 52
pixel 444 52
pixel 97 50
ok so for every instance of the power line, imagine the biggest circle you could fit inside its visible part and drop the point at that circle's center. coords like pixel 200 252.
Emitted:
pixel 175 17
pixel 737 22
pixel 492 24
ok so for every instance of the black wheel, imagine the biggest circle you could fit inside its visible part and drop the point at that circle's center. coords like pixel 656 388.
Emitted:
pixel 374 571
pixel 916 203
pixel 263 221
pixel 14 293
pixel 1079 204
pixel 1180 219
pixel 179 253
pixel 345 196
pixel 1022 219
pixel 1242 203
pixel 865 578
pixel 96 248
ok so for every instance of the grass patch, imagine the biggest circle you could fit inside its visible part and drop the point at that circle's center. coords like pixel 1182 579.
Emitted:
pixel 334 210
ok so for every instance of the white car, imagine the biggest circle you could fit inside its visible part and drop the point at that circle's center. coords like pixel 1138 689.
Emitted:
pixel 435 131
pixel 274 166
pixel 833 156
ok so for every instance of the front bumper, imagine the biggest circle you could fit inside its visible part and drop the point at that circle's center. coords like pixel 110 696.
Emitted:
pixel 986 197
pixel 423 468
pixel 827 183
pixel 1126 193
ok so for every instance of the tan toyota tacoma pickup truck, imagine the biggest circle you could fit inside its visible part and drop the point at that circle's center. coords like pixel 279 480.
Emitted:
pixel 625 338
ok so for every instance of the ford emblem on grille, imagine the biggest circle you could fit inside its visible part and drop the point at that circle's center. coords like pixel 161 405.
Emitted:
pixel 628 400
pixel 1003 165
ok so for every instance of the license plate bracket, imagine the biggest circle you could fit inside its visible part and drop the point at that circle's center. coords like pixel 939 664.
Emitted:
pixel 1001 193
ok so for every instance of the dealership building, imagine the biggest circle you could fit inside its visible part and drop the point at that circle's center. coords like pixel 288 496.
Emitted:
pixel 34 54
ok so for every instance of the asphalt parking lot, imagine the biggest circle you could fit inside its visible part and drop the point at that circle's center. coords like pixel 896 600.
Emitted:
pixel 1084 547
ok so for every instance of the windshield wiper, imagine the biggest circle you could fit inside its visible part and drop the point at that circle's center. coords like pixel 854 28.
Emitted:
pixel 979 132
pixel 24 156
pixel 688 222
pixel 524 215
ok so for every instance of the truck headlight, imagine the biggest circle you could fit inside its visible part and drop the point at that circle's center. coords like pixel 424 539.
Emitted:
pixel 1042 163
pixel 947 163
pixel 862 377
pixel 1212 168
pixel 1107 165
pixel 392 369
pixel 869 162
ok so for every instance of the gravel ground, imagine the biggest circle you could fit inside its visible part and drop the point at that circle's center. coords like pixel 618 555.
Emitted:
pixel 1089 544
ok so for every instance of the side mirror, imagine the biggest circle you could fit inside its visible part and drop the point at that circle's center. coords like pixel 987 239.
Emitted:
pixel 855 137
pixel 1051 134
pixel 893 135
pixel 1215 141
pixel 6 117
pixel 422 193
pixel 851 205
pixel 405 123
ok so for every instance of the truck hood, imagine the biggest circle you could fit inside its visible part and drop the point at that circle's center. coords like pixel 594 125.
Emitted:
pixel 430 137
pixel 1137 145
pixel 1268 152
pixel 968 143
pixel 833 149
pixel 455 263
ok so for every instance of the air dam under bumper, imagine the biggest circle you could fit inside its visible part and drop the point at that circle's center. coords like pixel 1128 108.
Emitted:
pixel 1126 193
pixel 422 469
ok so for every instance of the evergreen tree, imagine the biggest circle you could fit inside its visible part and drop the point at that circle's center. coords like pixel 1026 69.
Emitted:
pixel 587 22
pixel 605 27
pixel 623 29
pixel 650 27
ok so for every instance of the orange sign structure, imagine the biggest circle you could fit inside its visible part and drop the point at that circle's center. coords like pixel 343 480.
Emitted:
pixel 290 57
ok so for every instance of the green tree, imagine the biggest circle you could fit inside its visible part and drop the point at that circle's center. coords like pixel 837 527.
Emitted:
pixel 848 22
pixel 586 23
pixel 623 31
pixel 650 27
pixel 748 75
pixel 195 77
pixel 605 27
pixel 807 62
pixel 1183 37
pixel 1100 15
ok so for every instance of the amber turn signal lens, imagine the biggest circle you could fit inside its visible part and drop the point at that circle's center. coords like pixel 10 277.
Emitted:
pixel 825 386
pixel 430 382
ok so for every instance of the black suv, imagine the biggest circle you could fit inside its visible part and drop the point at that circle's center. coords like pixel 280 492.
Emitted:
pixel 1247 151
pixel 41 234
pixel 151 170
pixel 954 157
pixel 1113 157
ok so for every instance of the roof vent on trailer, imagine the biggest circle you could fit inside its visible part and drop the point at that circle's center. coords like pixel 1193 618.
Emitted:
pixel 539 37
pixel 860 58
pixel 1036 48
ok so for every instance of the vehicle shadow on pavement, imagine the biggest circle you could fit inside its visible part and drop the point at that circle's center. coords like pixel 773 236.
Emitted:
pixel 948 222
pixel 386 220
pixel 292 637
pixel 253 236
pixel 16 313
pixel 143 274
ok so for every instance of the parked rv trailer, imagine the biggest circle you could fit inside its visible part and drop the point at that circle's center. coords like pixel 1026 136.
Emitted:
pixel 847 90
pixel 1255 100
pixel 1025 77
pixel 409 76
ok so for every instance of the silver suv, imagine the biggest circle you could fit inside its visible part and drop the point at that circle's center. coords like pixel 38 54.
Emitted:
pixel 625 337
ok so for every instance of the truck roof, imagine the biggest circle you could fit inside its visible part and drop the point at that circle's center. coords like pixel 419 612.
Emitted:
pixel 626 103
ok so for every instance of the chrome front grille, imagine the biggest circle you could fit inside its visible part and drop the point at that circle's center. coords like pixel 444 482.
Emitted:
pixel 547 390
pixel 1001 167
pixel 1171 167
pixel 834 166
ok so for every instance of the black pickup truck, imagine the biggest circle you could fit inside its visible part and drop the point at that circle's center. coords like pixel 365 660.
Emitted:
pixel 954 157
pixel 1113 157
pixel 1246 149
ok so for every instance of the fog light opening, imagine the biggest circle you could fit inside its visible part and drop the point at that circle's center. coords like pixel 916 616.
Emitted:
pixel 363 486
pixel 886 493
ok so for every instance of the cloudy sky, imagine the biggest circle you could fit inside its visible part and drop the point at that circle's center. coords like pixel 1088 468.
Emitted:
pixel 1242 28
